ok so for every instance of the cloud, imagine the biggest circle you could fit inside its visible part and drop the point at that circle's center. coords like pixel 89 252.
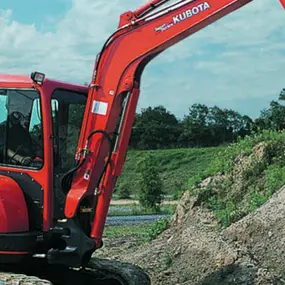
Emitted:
pixel 237 61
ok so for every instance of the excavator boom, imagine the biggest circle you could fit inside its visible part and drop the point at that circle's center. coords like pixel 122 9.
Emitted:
pixel 114 92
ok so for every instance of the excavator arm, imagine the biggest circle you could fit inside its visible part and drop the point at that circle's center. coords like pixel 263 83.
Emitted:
pixel 114 91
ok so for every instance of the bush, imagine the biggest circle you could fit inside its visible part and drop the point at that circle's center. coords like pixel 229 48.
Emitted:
pixel 223 161
pixel 157 228
pixel 151 186
pixel 124 191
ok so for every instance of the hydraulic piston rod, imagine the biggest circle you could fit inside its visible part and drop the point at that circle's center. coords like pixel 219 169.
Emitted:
pixel 144 9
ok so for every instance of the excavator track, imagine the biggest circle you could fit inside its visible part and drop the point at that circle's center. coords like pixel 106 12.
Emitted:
pixel 98 272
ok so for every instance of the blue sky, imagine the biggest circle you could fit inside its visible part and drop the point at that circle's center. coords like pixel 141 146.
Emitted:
pixel 42 14
pixel 237 63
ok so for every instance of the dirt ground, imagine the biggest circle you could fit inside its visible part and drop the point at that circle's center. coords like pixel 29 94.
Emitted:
pixel 194 250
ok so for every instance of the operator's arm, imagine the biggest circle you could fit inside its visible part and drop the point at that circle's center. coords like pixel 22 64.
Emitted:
pixel 23 160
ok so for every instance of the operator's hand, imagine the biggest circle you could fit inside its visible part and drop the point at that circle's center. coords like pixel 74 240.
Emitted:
pixel 26 161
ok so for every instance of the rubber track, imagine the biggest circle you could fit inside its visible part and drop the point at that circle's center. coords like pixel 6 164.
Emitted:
pixel 98 272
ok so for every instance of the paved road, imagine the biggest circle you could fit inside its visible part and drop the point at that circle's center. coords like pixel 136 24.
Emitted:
pixel 132 220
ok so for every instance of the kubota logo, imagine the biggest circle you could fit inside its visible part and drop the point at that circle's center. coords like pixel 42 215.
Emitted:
pixel 185 15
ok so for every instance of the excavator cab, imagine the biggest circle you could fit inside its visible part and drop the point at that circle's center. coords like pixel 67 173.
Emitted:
pixel 40 123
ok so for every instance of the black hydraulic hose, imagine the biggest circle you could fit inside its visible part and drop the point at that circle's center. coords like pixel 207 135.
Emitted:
pixel 106 135
pixel 109 39
pixel 67 178
pixel 103 49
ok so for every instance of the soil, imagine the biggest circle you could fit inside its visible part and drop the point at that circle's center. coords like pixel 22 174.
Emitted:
pixel 195 250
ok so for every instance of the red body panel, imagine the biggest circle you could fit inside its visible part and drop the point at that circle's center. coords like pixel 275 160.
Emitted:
pixel 13 209
pixel 43 176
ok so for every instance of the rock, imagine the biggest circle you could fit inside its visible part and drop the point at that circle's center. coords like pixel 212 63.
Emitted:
pixel 184 206
pixel 205 183
pixel 21 279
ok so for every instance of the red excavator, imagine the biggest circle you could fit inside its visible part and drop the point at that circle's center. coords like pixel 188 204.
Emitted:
pixel 63 145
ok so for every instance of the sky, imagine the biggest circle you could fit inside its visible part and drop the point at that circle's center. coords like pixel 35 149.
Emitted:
pixel 238 62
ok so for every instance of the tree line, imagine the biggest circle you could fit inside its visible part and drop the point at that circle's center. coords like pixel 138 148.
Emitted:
pixel 203 126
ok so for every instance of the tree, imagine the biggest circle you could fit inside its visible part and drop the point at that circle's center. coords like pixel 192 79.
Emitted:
pixel 211 126
pixel 151 186
pixel 123 190
pixel 282 94
pixel 155 128
pixel 195 131
pixel 274 117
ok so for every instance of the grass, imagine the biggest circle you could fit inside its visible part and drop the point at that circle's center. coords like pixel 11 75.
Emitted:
pixel 223 159
pixel 142 233
pixel 137 231
pixel 231 199
pixel 237 195
pixel 176 166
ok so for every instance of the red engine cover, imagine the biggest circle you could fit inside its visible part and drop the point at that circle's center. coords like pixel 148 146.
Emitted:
pixel 13 210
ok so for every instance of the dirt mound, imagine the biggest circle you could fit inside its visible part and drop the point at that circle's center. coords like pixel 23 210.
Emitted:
pixel 196 250
pixel 262 233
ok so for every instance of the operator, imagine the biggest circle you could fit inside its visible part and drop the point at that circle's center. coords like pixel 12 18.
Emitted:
pixel 20 145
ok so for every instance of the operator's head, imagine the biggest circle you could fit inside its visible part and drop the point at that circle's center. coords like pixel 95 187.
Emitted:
pixel 15 118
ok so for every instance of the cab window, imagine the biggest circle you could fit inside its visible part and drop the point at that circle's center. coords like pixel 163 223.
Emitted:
pixel 21 142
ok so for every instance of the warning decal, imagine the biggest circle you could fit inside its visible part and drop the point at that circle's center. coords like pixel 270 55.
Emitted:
pixel 99 107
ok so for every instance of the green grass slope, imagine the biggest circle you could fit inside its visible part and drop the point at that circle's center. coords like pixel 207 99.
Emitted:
pixel 176 166
pixel 242 177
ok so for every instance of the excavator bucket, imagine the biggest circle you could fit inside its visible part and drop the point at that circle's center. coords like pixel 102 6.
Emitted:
pixel 283 3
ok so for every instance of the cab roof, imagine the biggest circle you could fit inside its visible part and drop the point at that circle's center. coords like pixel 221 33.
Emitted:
pixel 18 80
pixel 12 78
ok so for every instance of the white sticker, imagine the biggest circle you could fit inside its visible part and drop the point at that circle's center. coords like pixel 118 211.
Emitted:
pixel 99 107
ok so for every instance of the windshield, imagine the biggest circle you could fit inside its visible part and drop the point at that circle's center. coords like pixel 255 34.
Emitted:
pixel 20 128
pixel 67 113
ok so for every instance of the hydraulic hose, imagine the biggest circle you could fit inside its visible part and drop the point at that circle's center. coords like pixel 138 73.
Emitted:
pixel 106 135
pixel 66 180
